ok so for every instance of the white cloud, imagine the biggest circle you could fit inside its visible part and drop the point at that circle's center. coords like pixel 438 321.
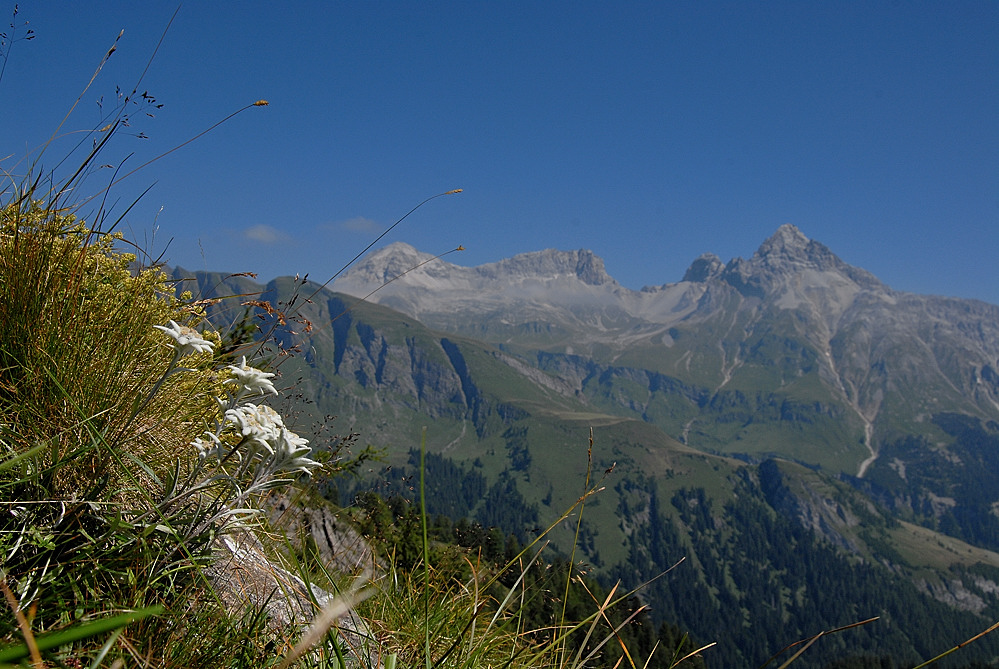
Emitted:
pixel 264 234
pixel 360 224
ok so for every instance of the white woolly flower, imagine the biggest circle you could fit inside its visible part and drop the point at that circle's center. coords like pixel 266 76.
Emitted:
pixel 265 436
pixel 259 425
pixel 187 339
pixel 250 380
pixel 293 445
pixel 291 451
pixel 208 447
pixel 266 447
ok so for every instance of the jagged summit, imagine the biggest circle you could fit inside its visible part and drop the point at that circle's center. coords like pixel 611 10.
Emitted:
pixel 787 242
pixel 707 266
pixel 789 249
pixel 788 270
pixel 554 264
pixel 791 262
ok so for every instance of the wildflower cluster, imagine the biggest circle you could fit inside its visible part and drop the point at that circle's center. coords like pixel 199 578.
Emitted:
pixel 248 450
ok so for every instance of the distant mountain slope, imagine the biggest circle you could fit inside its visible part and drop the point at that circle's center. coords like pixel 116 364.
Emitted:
pixel 791 336
pixel 734 410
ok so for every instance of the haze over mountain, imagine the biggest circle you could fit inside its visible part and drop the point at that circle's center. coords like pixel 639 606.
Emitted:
pixel 821 448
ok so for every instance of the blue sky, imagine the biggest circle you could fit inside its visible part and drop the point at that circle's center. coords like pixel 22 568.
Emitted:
pixel 647 132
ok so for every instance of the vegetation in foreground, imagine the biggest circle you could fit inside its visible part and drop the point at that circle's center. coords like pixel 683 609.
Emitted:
pixel 136 446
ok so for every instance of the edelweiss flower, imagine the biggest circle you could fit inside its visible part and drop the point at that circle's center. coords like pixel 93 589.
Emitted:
pixel 208 447
pixel 251 381
pixel 188 340
pixel 260 425
pixel 266 441
pixel 291 452
pixel 291 446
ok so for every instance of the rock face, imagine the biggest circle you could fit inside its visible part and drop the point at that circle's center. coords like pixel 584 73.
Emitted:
pixel 704 268
pixel 339 547
pixel 244 575
pixel 790 268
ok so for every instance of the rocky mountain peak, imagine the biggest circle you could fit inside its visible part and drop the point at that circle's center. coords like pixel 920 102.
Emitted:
pixel 787 237
pixel 706 267
pixel 398 255
pixel 787 254
pixel 386 264
pixel 789 246
pixel 554 264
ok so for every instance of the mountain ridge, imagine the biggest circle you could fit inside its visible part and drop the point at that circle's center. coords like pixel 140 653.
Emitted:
pixel 787 248
pixel 845 338
pixel 788 268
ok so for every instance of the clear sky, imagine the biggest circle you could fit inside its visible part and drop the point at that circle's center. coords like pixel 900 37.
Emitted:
pixel 647 132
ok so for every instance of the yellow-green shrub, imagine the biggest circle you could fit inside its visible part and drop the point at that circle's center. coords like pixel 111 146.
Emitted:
pixel 79 355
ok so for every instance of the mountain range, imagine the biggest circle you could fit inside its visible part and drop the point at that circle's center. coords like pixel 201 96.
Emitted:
pixel 828 339
pixel 819 447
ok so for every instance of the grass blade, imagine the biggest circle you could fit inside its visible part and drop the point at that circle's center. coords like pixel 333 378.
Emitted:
pixel 83 631
pixel 11 461
pixel 810 640
pixel 959 646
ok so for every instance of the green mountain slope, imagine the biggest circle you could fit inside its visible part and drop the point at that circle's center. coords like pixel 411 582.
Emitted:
pixel 772 550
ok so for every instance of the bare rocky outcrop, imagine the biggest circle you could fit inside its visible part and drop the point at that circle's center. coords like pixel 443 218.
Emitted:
pixel 954 593
pixel 338 545
pixel 245 576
